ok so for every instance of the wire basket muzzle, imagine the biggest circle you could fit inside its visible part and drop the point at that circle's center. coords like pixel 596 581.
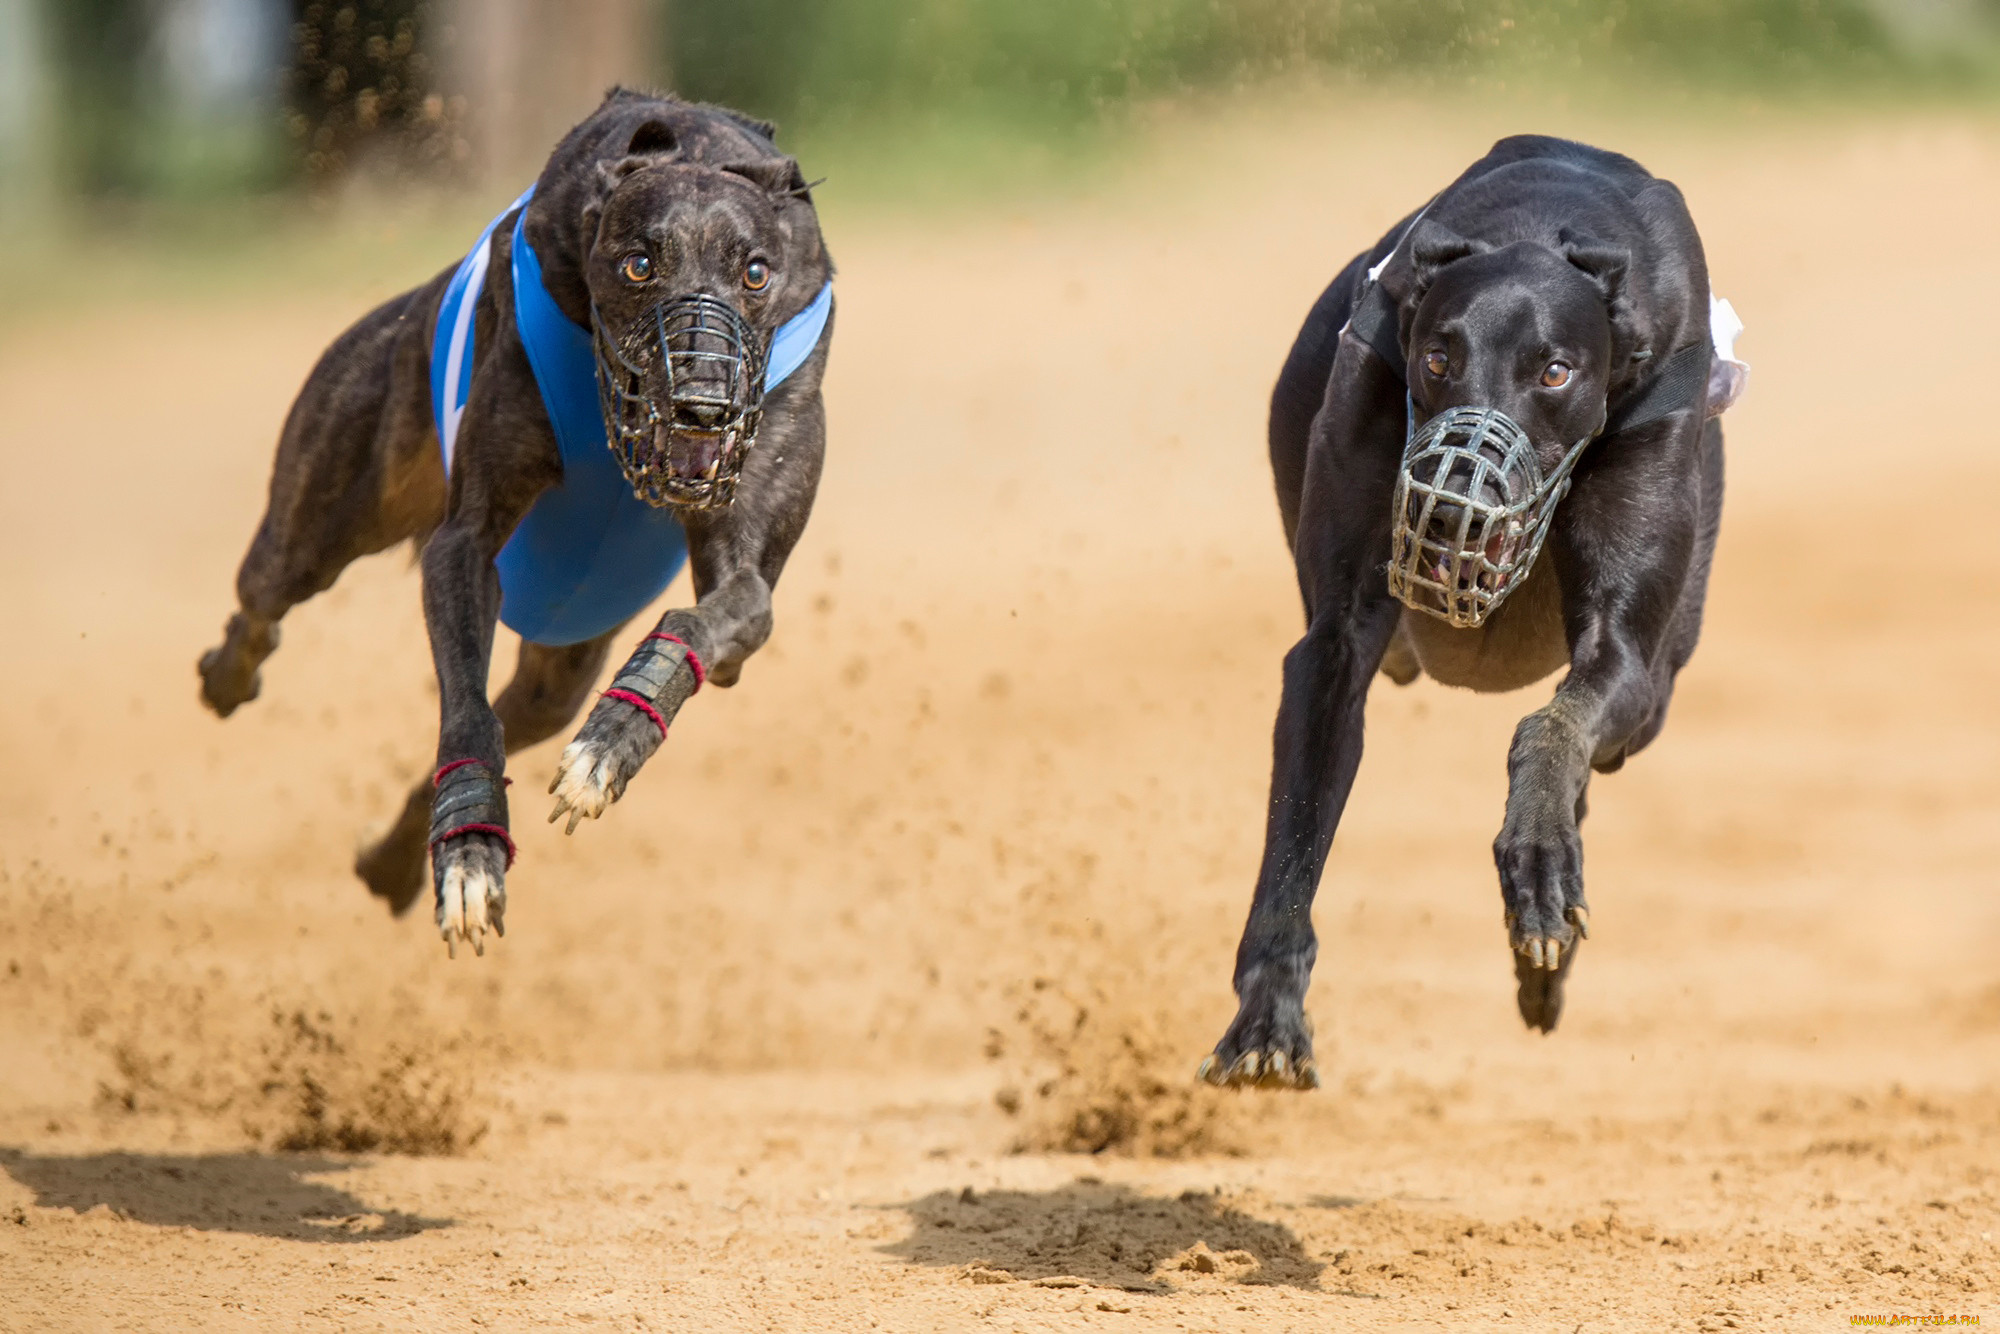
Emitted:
pixel 682 393
pixel 1472 509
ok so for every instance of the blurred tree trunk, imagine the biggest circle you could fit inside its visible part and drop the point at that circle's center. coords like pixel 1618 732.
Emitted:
pixel 528 70
pixel 25 80
pixel 221 68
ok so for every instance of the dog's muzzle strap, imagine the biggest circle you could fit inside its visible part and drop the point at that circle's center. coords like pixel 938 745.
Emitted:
pixel 1682 382
pixel 1374 322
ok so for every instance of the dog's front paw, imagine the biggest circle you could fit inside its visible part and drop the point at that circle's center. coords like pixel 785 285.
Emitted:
pixel 615 741
pixel 1270 1043
pixel 470 874
pixel 1541 882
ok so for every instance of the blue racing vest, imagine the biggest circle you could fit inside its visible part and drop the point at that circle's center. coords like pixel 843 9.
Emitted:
pixel 589 554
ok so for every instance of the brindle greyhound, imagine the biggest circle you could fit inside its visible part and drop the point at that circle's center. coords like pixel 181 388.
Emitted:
pixel 1565 287
pixel 649 209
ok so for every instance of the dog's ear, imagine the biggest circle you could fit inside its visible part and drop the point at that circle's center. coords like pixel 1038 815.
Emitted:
pixel 1606 265
pixel 1434 245
pixel 763 129
pixel 779 176
pixel 652 143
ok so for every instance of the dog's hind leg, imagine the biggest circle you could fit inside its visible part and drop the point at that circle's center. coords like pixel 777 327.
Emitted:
pixel 549 689
pixel 357 471
pixel 229 671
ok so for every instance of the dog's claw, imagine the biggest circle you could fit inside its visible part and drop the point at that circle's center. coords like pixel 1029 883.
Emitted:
pixel 1269 1043
pixel 582 786
pixel 1270 1070
pixel 472 897
pixel 1543 952
pixel 1579 917
pixel 1539 986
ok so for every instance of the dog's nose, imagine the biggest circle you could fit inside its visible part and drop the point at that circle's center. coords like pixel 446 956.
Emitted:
pixel 1448 508
pixel 1464 482
pixel 1444 521
pixel 702 414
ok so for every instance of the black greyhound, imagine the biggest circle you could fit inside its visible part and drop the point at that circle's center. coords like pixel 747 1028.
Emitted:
pixel 1554 297
pixel 671 251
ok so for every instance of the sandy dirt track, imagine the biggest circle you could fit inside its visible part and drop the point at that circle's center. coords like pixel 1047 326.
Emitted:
pixel 795 1037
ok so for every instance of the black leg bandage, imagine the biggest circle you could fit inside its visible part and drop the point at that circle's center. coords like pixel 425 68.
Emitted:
pixel 658 678
pixel 470 799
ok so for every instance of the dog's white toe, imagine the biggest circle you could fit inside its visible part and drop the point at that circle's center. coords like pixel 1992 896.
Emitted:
pixel 468 905
pixel 582 786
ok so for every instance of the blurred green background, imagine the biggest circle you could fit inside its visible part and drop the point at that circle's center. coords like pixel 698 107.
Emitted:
pixel 192 97
pixel 201 126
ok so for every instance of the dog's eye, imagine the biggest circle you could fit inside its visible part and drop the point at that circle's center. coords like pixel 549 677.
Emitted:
pixel 756 275
pixel 1436 363
pixel 1555 375
pixel 636 268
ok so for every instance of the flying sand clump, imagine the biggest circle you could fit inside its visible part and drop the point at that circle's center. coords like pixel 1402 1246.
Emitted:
pixel 1097 1074
pixel 305 1082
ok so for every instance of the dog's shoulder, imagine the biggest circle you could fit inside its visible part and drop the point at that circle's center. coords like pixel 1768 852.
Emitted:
pixel 1534 172
pixel 1563 152
pixel 1531 186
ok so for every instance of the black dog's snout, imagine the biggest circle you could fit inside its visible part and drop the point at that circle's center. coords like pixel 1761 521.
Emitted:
pixel 1445 521
pixel 1448 503
pixel 701 414
pixel 1480 485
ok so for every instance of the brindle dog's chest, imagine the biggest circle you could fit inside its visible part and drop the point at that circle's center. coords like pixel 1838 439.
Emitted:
pixel 1521 643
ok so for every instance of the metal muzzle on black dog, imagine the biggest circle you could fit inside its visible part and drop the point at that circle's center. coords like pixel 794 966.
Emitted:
pixel 682 393
pixel 1472 510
